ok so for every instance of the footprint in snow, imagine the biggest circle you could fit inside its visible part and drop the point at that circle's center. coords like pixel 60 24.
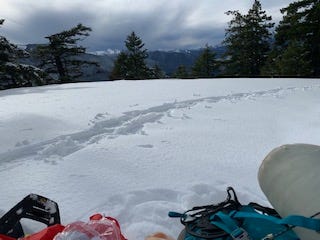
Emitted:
pixel 22 143
pixel 146 146
pixel 98 117
pixel 134 105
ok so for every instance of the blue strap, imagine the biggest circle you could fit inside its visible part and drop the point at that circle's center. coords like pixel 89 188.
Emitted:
pixel 224 221
pixel 293 220
pixel 227 222
pixel 229 225
pixel 175 214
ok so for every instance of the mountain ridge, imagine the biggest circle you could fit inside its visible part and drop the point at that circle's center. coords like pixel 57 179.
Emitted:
pixel 167 60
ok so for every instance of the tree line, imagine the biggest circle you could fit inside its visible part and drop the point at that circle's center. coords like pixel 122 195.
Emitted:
pixel 58 61
pixel 254 47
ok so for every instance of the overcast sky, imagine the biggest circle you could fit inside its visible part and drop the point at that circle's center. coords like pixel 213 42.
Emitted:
pixel 161 24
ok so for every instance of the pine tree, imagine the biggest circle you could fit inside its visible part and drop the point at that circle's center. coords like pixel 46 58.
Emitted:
pixel 60 55
pixel 294 61
pixel 14 74
pixel 8 51
pixel 181 72
pixel 120 69
pixel 137 68
pixel 291 62
pixel 156 72
pixel 205 65
pixel 131 63
pixel 247 41
pixel 300 28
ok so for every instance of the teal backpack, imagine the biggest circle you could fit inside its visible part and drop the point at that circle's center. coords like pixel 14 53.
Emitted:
pixel 231 220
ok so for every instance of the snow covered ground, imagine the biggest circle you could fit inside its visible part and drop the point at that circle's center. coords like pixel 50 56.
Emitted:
pixel 138 149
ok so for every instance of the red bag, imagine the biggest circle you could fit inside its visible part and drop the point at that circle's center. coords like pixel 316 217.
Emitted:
pixel 99 227
pixel 4 237
pixel 46 234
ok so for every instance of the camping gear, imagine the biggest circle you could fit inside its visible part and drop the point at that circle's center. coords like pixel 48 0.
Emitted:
pixel 232 220
pixel 289 177
pixel 98 228
pixel 34 207
pixel 46 211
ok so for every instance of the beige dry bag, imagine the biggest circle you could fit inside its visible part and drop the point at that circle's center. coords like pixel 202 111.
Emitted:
pixel 290 178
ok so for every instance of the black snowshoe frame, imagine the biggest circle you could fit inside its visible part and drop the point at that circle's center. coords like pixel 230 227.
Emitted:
pixel 34 207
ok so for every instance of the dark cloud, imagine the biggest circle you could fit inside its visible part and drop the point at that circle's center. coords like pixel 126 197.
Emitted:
pixel 44 22
pixel 162 24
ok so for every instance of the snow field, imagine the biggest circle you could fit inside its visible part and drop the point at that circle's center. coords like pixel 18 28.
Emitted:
pixel 138 149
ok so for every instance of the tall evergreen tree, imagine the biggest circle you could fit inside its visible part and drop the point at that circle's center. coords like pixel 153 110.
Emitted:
pixel 247 41
pixel 131 63
pixel 205 65
pixel 14 74
pixel 299 31
pixel 137 68
pixel 8 51
pixel 60 55
pixel 181 72
pixel 120 67
pixel 156 73
pixel 293 61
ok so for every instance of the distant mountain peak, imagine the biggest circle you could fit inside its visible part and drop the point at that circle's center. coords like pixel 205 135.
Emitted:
pixel 109 51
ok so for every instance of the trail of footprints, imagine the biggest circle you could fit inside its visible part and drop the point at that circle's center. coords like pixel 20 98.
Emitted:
pixel 131 122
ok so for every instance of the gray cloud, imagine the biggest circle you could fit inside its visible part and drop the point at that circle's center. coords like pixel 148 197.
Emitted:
pixel 162 24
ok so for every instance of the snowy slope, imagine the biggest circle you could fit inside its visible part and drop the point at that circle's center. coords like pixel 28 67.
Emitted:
pixel 137 149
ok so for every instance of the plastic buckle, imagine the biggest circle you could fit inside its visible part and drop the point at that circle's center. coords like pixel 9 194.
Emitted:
pixel 268 237
pixel 240 234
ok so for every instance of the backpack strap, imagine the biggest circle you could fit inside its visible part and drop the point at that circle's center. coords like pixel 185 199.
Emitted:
pixel 292 220
pixel 197 220
pixel 231 220
pixel 229 223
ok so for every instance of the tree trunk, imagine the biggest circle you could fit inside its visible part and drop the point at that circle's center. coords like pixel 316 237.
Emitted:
pixel 60 68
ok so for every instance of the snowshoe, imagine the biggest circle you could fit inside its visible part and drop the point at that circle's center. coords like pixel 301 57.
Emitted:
pixel 34 207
